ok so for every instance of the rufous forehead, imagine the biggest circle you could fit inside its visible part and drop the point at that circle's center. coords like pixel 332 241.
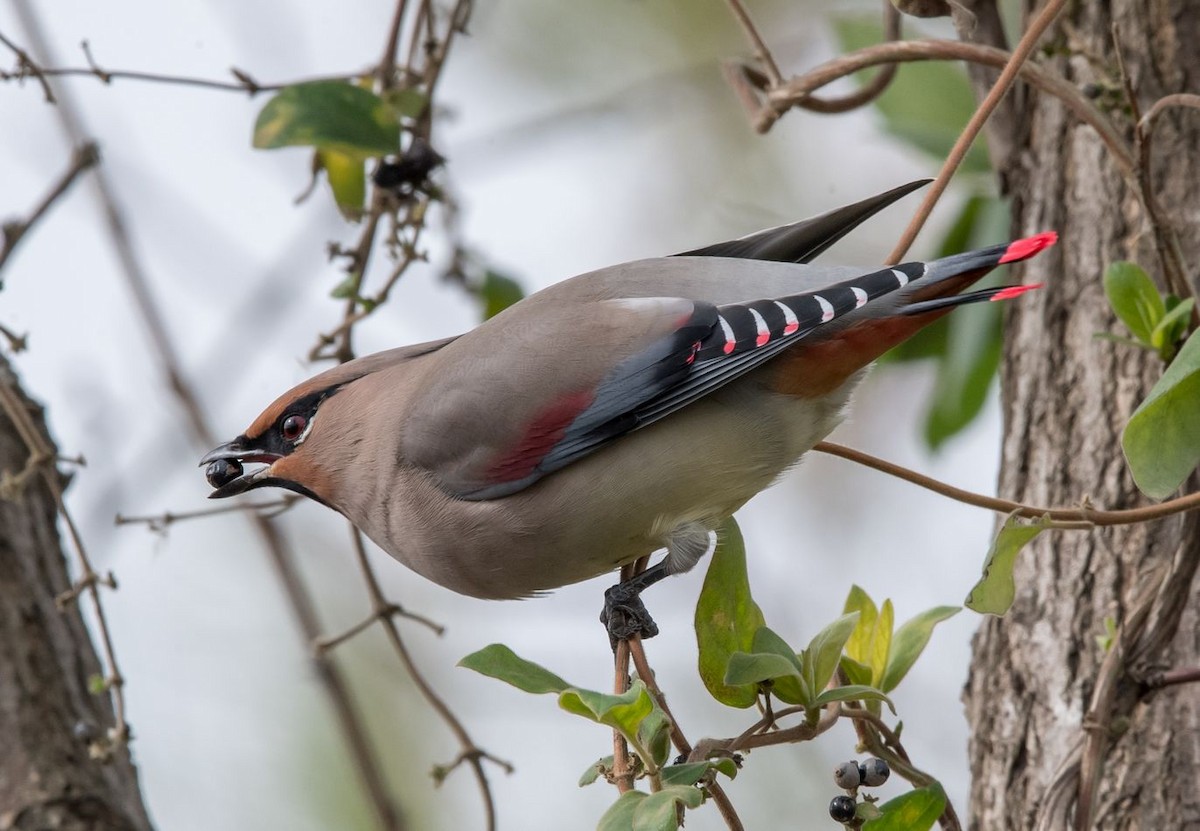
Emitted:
pixel 267 418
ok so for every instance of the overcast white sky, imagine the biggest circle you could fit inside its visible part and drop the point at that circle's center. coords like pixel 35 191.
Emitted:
pixel 579 135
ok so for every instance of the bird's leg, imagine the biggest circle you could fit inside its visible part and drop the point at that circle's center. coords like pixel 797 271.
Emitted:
pixel 624 613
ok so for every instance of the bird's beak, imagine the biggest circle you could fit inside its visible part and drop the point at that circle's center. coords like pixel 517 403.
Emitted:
pixel 240 451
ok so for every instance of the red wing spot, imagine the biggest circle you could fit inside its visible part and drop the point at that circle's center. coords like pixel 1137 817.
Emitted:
pixel 1013 291
pixel 1023 249
pixel 729 347
pixel 791 327
pixel 543 432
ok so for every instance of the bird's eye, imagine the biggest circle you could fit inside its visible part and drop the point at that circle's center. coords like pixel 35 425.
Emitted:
pixel 292 427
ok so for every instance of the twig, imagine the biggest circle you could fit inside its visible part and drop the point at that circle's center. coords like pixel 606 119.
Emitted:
pixel 746 80
pixel 244 81
pixel 17 343
pixel 1166 240
pixel 83 158
pixel 160 522
pixel 906 51
pixel 27 66
pixel 385 74
pixel 1183 675
pixel 1178 99
pixel 332 682
pixel 642 665
pixel 1037 27
pixel 876 737
pixel 384 612
pixel 1092 516
pixel 761 52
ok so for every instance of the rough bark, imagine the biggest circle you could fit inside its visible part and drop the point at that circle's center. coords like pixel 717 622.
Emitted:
pixel 1046 705
pixel 47 779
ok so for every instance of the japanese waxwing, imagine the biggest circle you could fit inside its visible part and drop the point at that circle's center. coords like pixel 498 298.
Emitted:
pixel 614 414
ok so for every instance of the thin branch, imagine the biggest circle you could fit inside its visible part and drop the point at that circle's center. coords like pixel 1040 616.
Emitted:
pixel 761 52
pixel 17 343
pixel 83 158
pixel 1089 515
pixel 1166 239
pixel 1178 99
pixel 243 81
pixel 386 72
pixel 879 740
pixel 642 665
pixel 873 88
pixel 983 112
pixel 160 522
pixel 1183 675
pixel 797 89
pixel 470 752
pixel 27 66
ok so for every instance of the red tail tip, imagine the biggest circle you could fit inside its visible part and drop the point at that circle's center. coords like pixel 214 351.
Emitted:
pixel 1014 291
pixel 1023 249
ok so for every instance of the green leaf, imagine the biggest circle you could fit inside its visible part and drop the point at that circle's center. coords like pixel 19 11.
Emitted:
pixel 1134 298
pixel 686 774
pixel 594 770
pixel 690 773
pixel 914 811
pixel 881 641
pixel 347 179
pixel 994 593
pixel 619 816
pixel 747 668
pixel 965 372
pixel 654 734
pixel 859 645
pixel 1171 327
pixel 498 292
pixel 820 659
pixel 498 661
pixel 910 641
pixel 407 103
pixel 657 811
pixel 856 672
pixel 329 115
pixel 787 688
pixel 1162 439
pixel 852 692
pixel 726 617
pixel 623 712
pixel 927 104
pixel 345 289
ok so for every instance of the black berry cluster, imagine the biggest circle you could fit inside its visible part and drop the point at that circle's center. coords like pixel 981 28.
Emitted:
pixel 850 776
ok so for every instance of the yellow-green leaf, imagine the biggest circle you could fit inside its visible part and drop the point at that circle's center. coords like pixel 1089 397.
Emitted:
pixel 994 593
pixel 1162 439
pixel 347 180
pixel 726 617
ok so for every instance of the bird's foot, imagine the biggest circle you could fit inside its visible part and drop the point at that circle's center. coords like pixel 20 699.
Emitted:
pixel 625 615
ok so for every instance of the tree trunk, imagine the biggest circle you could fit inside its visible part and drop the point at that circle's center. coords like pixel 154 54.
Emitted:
pixel 1064 734
pixel 47 714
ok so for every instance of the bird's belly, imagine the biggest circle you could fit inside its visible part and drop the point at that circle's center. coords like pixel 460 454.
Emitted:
pixel 697 466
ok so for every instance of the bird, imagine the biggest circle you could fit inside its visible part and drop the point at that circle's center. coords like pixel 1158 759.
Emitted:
pixel 618 413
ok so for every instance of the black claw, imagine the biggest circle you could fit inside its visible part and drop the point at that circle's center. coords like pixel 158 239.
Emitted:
pixel 624 614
